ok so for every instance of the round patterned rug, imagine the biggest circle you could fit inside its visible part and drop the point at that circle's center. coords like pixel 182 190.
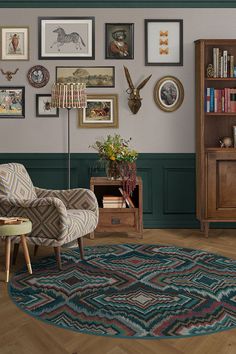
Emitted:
pixel 132 291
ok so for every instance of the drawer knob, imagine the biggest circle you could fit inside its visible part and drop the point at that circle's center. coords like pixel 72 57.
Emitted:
pixel 115 221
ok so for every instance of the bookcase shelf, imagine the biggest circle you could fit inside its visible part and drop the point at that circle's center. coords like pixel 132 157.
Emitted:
pixel 215 166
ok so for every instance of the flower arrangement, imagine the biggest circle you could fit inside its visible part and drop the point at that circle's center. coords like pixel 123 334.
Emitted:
pixel 120 160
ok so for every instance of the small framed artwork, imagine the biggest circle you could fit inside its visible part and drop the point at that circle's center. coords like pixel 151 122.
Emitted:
pixel 92 76
pixel 164 42
pixel 14 43
pixel 12 102
pixel 43 106
pixel 66 38
pixel 38 76
pixel 101 112
pixel 168 93
pixel 119 42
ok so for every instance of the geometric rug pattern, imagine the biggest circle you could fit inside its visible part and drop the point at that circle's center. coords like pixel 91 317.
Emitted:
pixel 132 291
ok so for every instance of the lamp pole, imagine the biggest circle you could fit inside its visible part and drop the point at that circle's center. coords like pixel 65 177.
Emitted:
pixel 68 143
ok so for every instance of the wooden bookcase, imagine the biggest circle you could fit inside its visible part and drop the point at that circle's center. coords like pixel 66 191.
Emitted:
pixel 215 166
pixel 118 219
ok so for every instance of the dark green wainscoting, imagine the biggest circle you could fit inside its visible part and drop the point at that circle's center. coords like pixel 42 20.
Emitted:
pixel 168 182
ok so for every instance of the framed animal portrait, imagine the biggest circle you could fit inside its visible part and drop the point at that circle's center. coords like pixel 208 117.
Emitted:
pixel 164 42
pixel 43 106
pixel 119 41
pixel 38 76
pixel 101 112
pixel 168 93
pixel 12 102
pixel 66 38
pixel 14 43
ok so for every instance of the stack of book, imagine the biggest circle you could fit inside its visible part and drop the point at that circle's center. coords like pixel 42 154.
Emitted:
pixel 223 63
pixel 220 100
pixel 112 201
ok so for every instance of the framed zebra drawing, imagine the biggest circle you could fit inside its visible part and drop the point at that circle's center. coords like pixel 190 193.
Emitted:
pixel 66 38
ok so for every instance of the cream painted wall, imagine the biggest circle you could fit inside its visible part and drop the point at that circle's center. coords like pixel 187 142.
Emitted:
pixel 151 129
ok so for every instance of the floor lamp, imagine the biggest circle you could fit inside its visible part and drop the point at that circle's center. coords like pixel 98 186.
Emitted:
pixel 68 96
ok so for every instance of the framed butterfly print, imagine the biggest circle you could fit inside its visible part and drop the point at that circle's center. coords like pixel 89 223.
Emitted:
pixel 164 42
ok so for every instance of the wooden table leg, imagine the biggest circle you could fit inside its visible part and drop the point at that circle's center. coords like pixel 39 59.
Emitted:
pixel 8 256
pixel 81 247
pixel 26 253
pixel 57 251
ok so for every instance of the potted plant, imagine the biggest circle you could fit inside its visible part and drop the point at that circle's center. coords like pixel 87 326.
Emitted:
pixel 119 159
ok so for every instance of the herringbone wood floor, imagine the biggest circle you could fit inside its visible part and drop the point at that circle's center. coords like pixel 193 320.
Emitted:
pixel 22 334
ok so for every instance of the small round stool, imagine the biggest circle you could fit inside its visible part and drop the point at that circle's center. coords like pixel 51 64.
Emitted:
pixel 21 230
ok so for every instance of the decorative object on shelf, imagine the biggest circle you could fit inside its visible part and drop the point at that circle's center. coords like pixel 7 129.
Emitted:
pixel 226 142
pixel 66 38
pixel 68 96
pixel 119 41
pixel 119 159
pixel 101 112
pixel 164 42
pixel 168 93
pixel 44 107
pixel 9 74
pixel 38 76
pixel 14 43
pixel 92 76
pixel 134 100
pixel 210 71
pixel 12 102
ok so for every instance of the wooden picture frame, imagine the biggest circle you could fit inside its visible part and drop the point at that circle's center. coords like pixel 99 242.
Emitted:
pixel 119 41
pixel 92 76
pixel 38 76
pixel 43 107
pixel 14 43
pixel 66 38
pixel 12 102
pixel 101 112
pixel 164 42
pixel 168 93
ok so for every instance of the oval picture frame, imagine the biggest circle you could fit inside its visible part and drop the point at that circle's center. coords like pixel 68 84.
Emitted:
pixel 38 76
pixel 168 93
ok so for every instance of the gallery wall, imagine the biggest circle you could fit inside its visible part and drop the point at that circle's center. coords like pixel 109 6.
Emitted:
pixel 152 130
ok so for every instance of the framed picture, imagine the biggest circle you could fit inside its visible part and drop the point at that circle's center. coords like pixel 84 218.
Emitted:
pixel 119 41
pixel 12 102
pixel 168 93
pixel 92 76
pixel 101 112
pixel 66 38
pixel 43 106
pixel 14 43
pixel 163 42
pixel 38 76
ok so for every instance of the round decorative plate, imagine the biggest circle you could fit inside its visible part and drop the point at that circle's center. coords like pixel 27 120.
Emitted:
pixel 38 76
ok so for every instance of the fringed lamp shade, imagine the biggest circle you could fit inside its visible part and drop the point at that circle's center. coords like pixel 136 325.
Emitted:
pixel 69 95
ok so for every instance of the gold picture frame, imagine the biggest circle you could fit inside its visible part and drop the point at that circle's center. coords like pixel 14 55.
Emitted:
pixel 101 112
pixel 168 93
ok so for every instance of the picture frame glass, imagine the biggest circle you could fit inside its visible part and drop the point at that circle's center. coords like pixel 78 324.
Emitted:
pixel 12 104
pixel 14 43
pixel 168 94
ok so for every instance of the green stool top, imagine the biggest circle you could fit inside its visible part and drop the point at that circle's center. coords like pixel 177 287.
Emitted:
pixel 16 229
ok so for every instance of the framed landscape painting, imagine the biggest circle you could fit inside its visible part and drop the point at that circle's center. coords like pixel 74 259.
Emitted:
pixel 101 112
pixel 14 43
pixel 12 102
pixel 92 76
pixel 66 37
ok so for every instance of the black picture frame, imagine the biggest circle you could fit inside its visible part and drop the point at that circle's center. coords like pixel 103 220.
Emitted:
pixel 112 49
pixel 16 98
pixel 45 114
pixel 160 41
pixel 107 78
pixel 84 24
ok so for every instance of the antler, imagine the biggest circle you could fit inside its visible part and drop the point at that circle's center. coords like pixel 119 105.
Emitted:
pixel 13 73
pixel 143 83
pixel 128 77
pixel 3 72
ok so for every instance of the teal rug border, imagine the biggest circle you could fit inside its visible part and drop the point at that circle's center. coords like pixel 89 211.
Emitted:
pixel 119 336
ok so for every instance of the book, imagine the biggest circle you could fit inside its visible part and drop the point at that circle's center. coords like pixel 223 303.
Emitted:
pixel 208 96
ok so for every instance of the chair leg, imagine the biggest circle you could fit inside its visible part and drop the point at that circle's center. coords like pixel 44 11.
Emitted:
pixel 81 247
pixel 57 251
pixel 15 253
pixel 26 253
pixel 36 247
pixel 8 256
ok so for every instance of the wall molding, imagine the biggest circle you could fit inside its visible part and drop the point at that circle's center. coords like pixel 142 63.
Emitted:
pixel 117 4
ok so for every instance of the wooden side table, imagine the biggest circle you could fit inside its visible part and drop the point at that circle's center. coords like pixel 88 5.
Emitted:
pixel 118 219
pixel 21 230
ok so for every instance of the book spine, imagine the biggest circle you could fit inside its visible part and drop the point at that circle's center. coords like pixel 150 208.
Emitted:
pixel 231 66
pixel 234 135
pixel 214 62
pixel 215 101
pixel 208 97
pixel 225 56
pixel 222 100
pixel 211 99
pixel 229 107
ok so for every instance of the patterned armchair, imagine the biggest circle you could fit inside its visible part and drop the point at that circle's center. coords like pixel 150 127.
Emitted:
pixel 59 217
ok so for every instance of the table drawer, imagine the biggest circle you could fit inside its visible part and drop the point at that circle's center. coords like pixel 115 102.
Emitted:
pixel 118 220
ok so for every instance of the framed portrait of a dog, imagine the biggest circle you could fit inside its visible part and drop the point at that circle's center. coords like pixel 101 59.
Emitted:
pixel 66 38
pixel 119 43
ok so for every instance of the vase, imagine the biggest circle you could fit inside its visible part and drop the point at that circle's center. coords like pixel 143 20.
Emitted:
pixel 113 170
